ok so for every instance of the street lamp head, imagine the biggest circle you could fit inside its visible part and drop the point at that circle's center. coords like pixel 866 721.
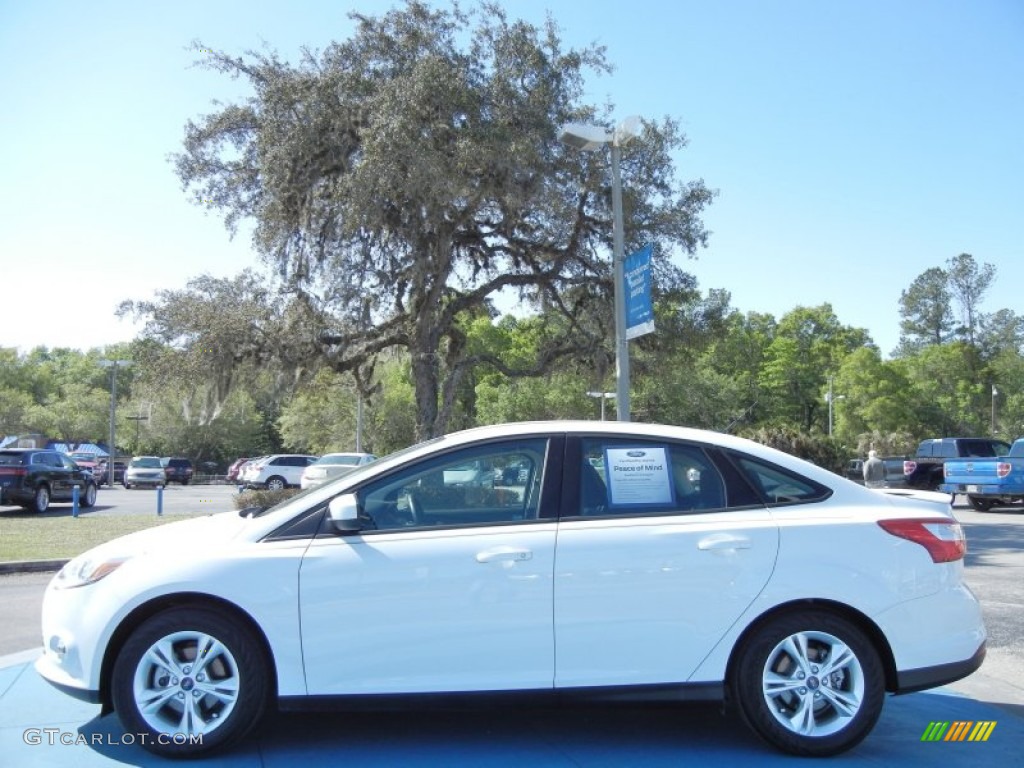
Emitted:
pixel 589 138
pixel 115 363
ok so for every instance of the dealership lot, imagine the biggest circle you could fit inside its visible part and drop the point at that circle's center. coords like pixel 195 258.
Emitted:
pixel 635 736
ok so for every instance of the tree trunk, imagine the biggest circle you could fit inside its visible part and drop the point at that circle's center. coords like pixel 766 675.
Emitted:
pixel 425 382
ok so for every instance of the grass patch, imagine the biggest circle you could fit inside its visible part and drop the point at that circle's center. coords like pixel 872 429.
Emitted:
pixel 27 536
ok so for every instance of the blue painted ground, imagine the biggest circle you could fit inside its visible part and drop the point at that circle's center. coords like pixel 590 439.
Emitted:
pixel 35 720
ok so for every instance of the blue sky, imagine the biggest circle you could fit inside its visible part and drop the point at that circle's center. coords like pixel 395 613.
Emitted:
pixel 854 143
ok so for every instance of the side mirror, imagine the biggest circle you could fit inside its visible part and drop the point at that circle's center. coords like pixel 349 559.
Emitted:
pixel 343 512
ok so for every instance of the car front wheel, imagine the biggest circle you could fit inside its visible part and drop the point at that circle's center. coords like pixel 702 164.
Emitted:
pixel 809 683
pixel 89 496
pixel 191 679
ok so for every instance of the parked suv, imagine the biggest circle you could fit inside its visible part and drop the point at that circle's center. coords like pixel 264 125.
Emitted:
pixel 177 470
pixel 33 478
pixel 275 472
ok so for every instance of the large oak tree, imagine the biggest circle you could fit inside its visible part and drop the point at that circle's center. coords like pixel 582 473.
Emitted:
pixel 409 175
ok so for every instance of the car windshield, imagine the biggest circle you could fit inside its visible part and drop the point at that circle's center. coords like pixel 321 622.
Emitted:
pixel 147 462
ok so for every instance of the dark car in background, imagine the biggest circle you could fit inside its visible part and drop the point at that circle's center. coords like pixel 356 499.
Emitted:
pixel 102 472
pixel 894 466
pixel 33 478
pixel 177 470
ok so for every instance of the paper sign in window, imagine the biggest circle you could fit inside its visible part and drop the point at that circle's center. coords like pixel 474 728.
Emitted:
pixel 638 477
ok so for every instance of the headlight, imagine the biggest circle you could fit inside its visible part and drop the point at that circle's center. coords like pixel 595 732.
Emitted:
pixel 86 570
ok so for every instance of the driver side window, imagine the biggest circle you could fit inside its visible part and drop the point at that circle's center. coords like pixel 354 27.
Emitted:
pixel 493 483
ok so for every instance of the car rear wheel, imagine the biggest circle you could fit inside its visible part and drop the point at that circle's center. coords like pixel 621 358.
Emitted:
pixel 981 504
pixel 191 679
pixel 809 683
pixel 275 483
pixel 89 497
pixel 41 498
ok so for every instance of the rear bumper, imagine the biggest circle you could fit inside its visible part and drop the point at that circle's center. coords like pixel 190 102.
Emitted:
pixel 911 680
pixel 983 489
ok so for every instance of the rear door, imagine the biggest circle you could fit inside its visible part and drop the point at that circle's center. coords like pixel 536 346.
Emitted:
pixel 660 550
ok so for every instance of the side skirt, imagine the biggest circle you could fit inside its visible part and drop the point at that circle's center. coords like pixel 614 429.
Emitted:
pixel 461 700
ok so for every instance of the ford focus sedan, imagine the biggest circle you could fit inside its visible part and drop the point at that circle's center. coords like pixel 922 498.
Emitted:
pixel 627 561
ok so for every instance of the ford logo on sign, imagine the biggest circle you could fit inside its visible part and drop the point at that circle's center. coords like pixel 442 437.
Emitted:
pixel 636 454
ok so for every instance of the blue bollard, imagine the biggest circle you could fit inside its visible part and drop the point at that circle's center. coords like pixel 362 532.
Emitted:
pixel 159 501
pixel 74 501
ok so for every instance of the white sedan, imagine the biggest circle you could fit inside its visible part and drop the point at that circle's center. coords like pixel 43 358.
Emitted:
pixel 633 561
pixel 332 465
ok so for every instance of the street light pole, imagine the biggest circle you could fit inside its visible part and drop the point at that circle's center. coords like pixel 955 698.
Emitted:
pixel 590 138
pixel 604 398
pixel 113 366
pixel 618 257
pixel 830 398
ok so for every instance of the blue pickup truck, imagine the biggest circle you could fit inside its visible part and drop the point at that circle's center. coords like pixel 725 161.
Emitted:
pixel 988 483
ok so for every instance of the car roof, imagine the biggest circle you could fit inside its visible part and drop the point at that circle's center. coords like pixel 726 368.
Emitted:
pixel 627 429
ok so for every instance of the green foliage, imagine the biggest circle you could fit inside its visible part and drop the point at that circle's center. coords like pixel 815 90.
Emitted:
pixel 817 449
pixel 263 498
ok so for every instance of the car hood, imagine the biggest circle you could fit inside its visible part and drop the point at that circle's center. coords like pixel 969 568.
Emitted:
pixel 200 533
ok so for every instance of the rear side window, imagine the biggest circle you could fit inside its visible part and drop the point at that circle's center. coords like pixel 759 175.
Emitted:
pixel 983 448
pixel 778 485
pixel 630 477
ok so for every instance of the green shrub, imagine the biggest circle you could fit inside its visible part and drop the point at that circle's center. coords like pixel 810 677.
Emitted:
pixel 263 498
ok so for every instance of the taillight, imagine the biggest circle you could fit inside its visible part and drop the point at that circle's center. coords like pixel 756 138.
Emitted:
pixel 909 467
pixel 943 538
pixel 14 471
pixel 1003 468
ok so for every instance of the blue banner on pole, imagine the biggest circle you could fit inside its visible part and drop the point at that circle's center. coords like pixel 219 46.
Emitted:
pixel 639 309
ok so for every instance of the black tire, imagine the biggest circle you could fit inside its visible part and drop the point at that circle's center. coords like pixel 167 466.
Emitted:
pixel 41 498
pixel 89 496
pixel 223 706
pixel 276 483
pixel 981 504
pixel 184 482
pixel 792 697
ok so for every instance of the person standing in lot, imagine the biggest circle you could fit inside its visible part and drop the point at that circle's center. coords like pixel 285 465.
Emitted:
pixel 874 471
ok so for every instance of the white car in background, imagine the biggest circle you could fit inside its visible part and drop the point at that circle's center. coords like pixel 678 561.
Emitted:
pixel 637 561
pixel 281 470
pixel 332 465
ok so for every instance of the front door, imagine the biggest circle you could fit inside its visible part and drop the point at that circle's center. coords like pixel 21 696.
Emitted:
pixel 448 587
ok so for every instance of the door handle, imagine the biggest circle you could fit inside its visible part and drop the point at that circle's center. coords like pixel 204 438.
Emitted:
pixel 720 541
pixel 513 554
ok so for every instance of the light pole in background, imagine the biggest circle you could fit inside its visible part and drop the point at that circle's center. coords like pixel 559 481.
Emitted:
pixel 113 365
pixel 605 396
pixel 830 398
pixel 591 138
pixel 994 393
